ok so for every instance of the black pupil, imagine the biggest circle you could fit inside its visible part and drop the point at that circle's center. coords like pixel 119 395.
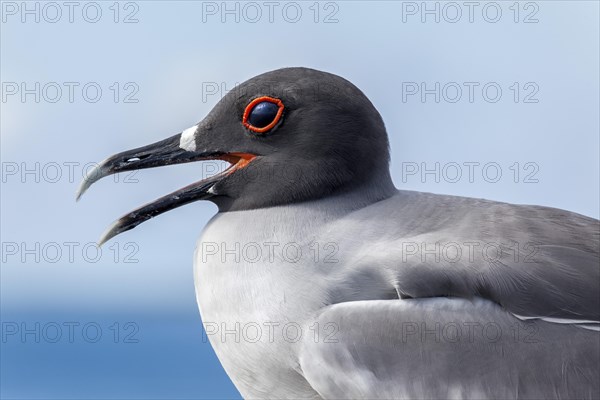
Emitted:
pixel 263 114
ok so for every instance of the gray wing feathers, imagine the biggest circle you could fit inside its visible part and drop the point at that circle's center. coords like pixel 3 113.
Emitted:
pixel 518 314
pixel 539 261
pixel 448 348
pixel 561 282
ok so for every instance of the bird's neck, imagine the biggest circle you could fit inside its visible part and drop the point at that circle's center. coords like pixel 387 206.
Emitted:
pixel 358 190
pixel 362 195
pixel 304 215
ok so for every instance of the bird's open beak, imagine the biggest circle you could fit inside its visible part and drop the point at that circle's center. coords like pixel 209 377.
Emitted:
pixel 164 152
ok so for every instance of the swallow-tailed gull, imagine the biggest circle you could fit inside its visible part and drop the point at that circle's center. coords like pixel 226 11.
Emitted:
pixel 317 278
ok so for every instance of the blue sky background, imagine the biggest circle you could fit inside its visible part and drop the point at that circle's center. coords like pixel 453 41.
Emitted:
pixel 144 277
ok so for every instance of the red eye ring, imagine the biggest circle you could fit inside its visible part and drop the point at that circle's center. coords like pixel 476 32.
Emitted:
pixel 251 106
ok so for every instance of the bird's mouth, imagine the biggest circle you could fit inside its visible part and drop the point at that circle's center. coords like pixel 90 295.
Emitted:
pixel 164 152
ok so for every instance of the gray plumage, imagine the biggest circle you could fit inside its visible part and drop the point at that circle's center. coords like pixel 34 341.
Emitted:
pixel 395 294
pixel 377 299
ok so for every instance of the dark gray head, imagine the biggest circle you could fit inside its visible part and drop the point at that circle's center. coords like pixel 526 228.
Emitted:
pixel 291 135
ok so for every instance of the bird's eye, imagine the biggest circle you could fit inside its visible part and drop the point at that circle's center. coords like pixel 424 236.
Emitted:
pixel 262 114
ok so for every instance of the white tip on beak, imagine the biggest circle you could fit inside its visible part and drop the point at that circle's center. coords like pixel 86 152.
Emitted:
pixel 99 171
